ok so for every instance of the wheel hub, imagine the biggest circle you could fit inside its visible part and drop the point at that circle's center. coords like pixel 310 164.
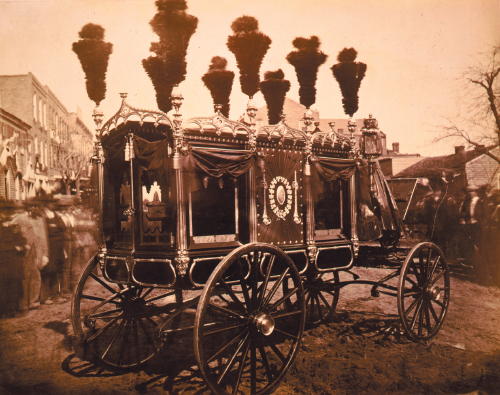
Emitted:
pixel 434 292
pixel 264 323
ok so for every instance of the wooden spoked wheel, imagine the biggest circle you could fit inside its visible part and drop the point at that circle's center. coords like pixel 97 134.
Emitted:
pixel 116 324
pixel 423 291
pixel 246 335
pixel 321 296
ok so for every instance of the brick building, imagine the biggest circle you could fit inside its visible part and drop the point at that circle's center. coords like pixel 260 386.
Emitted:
pixel 14 144
pixel 51 130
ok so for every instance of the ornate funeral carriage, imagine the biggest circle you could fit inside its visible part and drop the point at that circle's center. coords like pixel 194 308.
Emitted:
pixel 236 234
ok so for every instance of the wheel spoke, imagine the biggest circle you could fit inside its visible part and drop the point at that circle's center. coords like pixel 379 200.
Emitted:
pixel 438 276
pixel 274 288
pixel 157 296
pixel 433 268
pixel 125 341
pixel 228 344
pixel 106 314
pixel 265 362
pixel 231 361
pixel 289 335
pixel 136 342
pixel 151 321
pixel 266 280
pixel 233 296
pixel 102 330
pixel 253 367
pixel 420 321
pixel 427 262
pixel 96 278
pixel 240 369
pixel 321 316
pixel 146 333
pixel 287 314
pixel 413 304
pixel 277 352
pixel 439 303
pixel 433 312
pixel 281 300
pixel 328 305
pixel 244 288
pixel 417 313
pixel 427 318
pixel 113 338
pixel 220 330
pixel 226 311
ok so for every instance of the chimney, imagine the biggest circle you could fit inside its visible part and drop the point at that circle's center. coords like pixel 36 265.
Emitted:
pixel 459 149
pixel 395 148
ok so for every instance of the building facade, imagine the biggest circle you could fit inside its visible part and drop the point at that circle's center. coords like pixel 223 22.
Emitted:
pixel 14 144
pixel 51 129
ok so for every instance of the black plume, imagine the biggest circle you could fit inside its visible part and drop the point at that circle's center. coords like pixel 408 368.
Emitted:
pixel 249 47
pixel 274 88
pixel 93 54
pixel 168 68
pixel 349 74
pixel 219 82
pixel 306 60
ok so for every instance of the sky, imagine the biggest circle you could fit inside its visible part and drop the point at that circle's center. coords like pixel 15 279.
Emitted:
pixel 416 52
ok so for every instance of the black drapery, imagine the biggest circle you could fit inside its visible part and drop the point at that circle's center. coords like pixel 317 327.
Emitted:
pixel 330 169
pixel 377 214
pixel 218 164
pixel 153 155
pixel 368 221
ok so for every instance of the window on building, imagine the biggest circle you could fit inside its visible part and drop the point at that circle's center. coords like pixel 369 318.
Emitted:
pixel 35 112
pixel 40 115
pixel 44 115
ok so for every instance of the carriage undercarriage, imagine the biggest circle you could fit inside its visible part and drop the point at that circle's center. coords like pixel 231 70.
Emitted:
pixel 236 236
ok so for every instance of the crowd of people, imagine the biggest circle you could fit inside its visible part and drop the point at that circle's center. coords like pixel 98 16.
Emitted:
pixel 466 227
pixel 44 245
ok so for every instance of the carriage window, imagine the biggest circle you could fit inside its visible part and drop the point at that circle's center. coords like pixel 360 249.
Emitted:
pixel 124 231
pixel 158 220
pixel 213 209
pixel 329 215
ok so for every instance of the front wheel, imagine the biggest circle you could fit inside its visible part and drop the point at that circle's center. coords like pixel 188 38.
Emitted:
pixel 423 291
pixel 246 334
pixel 118 324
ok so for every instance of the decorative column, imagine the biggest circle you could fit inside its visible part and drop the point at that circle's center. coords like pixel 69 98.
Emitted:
pixel 311 244
pixel 98 159
pixel 182 258
pixel 249 120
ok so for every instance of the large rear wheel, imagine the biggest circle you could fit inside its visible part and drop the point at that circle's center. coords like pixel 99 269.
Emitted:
pixel 246 335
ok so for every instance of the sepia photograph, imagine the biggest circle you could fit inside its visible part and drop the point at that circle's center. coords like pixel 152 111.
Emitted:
pixel 267 197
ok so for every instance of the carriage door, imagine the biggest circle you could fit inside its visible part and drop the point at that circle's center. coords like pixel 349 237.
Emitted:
pixel 280 197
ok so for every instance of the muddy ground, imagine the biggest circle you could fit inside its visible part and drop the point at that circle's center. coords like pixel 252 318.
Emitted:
pixel 360 351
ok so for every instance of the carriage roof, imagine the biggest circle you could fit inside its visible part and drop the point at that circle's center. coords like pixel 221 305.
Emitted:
pixel 155 124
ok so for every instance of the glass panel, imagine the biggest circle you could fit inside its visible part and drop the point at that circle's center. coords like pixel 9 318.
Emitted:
pixel 213 210
pixel 158 220
pixel 328 208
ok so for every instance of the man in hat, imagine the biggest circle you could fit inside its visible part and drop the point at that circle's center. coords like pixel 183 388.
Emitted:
pixel 36 256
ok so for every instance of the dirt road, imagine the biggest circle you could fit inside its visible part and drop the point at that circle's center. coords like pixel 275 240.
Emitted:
pixel 360 351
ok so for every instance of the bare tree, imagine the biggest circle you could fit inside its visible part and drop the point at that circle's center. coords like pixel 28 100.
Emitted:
pixel 70 162
pixel 480 128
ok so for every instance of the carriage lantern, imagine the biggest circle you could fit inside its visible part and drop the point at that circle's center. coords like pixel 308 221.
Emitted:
pixel 370 142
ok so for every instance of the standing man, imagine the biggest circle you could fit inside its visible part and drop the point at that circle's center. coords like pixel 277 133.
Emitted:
pixel 36 256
